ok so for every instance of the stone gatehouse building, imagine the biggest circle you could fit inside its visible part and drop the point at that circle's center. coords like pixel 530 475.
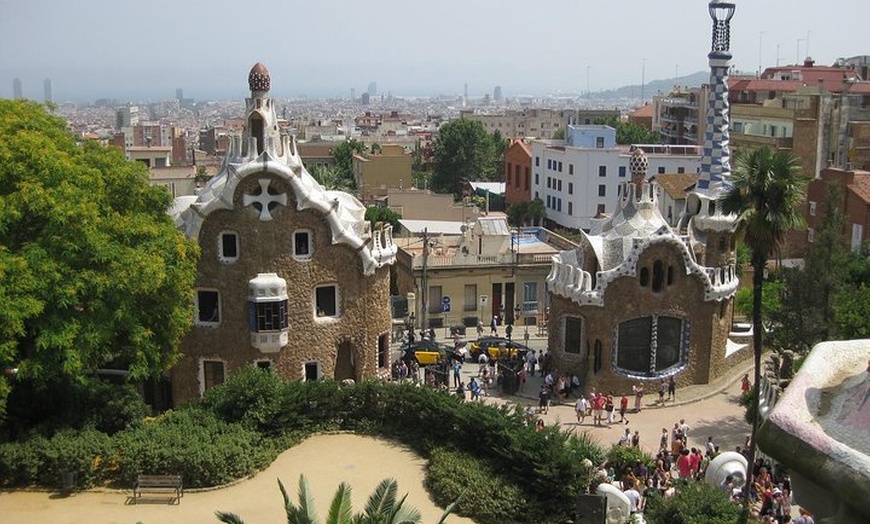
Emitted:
pixel 291 276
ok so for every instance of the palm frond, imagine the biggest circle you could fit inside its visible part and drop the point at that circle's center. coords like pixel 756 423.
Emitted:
pixel 404 515
pixel 381 501
pixel 340 511
pixel 449 509
pixel 229 518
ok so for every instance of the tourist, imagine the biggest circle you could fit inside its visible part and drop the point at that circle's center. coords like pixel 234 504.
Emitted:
pixel 609 409
pixel 635 439
pixel 539 425
pixel 684 429
pixel 598 402
pixel 580 407
pixel 662 388
pixel 493 326
pixel 805 517
pixel 695 459
pixel 531 360
pixel 633 497
pixel 684 464
pixel 638 397
pixel 544 400
pixel 711 448
pixel 672 389
pixel 457 372
pixel 625 438
pixel 521 377
pixel 744 384
pixel 479 329
pixel 460 391
pixel 663 442
pixel 482 362
pixel 474 387
pixel 623 407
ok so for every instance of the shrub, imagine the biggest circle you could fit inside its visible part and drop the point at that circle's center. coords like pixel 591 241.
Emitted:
pixel 693 503
pixel 87 454
pixel 21 462
pixel 747 400
pixel 487 497
pixel 194 443
pixel 251 396
pixel 621 457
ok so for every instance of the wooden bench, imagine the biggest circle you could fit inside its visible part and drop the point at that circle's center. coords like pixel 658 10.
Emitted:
pixel 169 484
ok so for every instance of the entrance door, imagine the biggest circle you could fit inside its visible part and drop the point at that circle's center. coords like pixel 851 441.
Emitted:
pixel 509 293
pixel 344 367
pixel 497 302
pixel 312 371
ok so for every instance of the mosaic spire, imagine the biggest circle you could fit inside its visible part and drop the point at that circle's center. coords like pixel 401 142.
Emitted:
pixel 716 155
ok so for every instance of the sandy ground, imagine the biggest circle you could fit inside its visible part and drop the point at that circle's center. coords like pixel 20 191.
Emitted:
pixel 326 461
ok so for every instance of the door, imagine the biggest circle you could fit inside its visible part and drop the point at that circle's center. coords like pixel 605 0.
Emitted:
pixel 509 293
pixel 496 302
pixel 344 368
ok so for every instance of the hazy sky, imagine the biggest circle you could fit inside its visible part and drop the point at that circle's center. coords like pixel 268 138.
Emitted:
pixel 132 50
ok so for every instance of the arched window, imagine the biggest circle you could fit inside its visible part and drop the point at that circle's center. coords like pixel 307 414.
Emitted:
pixel 596 364
pixel 712 207
pixel 644 277
pixel 658 276
pixel 721 244
pixel 573 334
pixel 670 275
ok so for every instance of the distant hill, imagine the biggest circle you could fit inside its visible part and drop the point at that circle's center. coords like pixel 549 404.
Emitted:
pixel 654 87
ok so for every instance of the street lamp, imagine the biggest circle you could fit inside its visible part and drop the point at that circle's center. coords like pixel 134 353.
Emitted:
pixel 518 309
pixel 409 326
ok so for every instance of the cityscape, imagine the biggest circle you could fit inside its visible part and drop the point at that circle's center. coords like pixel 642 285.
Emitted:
pixel 456 276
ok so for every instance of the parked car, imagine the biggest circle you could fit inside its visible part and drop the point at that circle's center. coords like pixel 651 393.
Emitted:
pixel 493 345
pixel 426 352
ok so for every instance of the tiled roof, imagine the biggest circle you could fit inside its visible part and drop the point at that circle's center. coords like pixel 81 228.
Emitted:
pixel 642 112
pixel 861 185
pixel 675 184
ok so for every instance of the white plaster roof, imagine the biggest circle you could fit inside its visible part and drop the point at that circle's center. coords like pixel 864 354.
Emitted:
pixel 435 227
pixel 496 188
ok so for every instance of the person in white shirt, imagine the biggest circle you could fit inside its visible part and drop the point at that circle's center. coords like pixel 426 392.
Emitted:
pixel 633 497
pixel 580 407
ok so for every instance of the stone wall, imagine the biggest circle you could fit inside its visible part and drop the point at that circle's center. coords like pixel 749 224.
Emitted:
pixel 266 247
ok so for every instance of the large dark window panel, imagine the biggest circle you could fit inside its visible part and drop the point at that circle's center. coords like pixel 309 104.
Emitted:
pixel 634 353
pixel 668 343
pixel 573 328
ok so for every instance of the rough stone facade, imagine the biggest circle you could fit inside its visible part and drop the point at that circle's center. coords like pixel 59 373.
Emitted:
pixel 290 277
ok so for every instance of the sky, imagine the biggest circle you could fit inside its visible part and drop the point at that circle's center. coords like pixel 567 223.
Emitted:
pixel 139 51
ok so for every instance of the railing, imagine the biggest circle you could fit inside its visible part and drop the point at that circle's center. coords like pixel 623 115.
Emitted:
pixel 483 260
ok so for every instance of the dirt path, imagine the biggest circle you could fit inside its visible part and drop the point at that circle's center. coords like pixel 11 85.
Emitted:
pixel 326 460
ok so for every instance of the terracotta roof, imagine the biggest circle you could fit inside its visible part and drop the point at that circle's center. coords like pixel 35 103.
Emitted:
pixel 642 112
pixel 861 185
pixel 526 147
pixel 675 184
pixel 764 84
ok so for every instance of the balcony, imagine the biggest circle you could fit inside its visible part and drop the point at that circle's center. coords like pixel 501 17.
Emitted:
pixel 501 259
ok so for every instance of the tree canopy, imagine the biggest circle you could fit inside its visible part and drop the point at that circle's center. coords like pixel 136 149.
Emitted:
pixel 342 156
pixel 464 152
pixel 92 268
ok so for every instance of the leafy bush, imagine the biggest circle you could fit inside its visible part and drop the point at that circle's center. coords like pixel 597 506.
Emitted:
pixel 693 503
pixel 194 443
pixel 20 462
pixel 251 396
pixel 620 457
pixel 747 400
pixel 39 460
pixel 488 496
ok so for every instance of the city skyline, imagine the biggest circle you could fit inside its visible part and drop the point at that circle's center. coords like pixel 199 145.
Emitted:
pixel 107 49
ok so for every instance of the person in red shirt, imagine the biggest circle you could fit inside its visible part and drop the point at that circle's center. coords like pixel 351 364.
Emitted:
pixel 684 464
pixel 623 407
pixel 695 462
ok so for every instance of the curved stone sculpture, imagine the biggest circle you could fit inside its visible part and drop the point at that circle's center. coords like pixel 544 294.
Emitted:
pixel 618 505
pixel 728 463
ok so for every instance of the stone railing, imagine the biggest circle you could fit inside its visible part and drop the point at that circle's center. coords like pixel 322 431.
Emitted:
pixel 501 259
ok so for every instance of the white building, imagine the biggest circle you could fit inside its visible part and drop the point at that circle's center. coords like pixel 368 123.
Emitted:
pixel 578 178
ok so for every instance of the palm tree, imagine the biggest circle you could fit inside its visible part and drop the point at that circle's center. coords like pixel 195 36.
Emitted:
pixel 332 179
pixel 381 508
pixel 766 191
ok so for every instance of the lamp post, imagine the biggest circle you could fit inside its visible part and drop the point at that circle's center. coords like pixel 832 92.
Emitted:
pixel 409 326
pixel 518 310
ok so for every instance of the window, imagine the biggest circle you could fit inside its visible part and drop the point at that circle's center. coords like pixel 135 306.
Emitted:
pixel 812 209
pixel 560 185
pixel 549 163
pixel 548 182
pixel 548 201
pixel 517 179
pixel 228 247
pixel 661 170
pixel 599 142
pixel 602 190
pixel 573 336
pixel 644 277
pixel 560 167
pixel 530 296
pixel 570 188
pixel 265 365
pixel 811 235
pixel 537 180
pixel 601 209
pixel 681 170
pixel 622 171
pixel 670 275
pixel 570 169
pixel 435 297
pixel 311 371
pixel 268 316
pixel 302 247
pixel 602 170
pixel 648 346
pixel 559 205
pixel 470 297
pixel 658 276
pixel 208 310
pixel 537 161
pixel 213 373
pixel 326 301
pixel 570 208
pixel 527 179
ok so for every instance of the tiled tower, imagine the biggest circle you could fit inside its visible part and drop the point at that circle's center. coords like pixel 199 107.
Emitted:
pixel 711 232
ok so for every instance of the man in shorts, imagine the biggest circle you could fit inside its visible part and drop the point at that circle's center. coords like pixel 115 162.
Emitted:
pixel 580 408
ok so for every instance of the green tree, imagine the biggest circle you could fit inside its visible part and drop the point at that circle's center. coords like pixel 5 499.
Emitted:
pixel 559 134
pixel 342 156
pixel 333 179
pixel 464 152
pixel 693 503
pixel 526 213
pixel 92 267
pixel 766 192
pixel 381 507
pixel 629 132
pixel 375 214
